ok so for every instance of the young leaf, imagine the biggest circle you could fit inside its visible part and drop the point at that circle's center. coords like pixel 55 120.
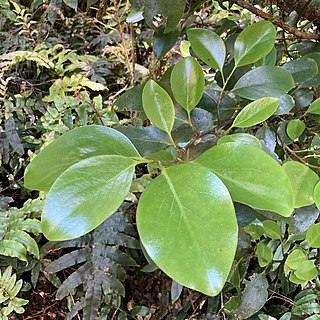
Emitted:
pixel 208 46
pixel 316 195
pixel 72 147
pixel 170 220
pixel 271 229
pixel 314 107
pixel 251 176
pixel 254 42
pixel 264 253
pixel 307 271
pixel 295 128
pixel 158 106
pixel 256 112
pixel 85 195
pixel 265 81
pixel 187 82
pixel 295 258
pixel 313 236
pixel 303 181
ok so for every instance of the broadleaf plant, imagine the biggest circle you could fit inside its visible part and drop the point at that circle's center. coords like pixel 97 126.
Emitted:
pixel 185 216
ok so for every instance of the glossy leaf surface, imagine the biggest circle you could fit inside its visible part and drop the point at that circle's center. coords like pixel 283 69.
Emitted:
pixel 158 106
pixel 251 176
pixel 208 46
pixel 72 147
pixel 254 42
pixel 187 82
pixel 302 69
pixel 187 225
pixel 85 195
pixel 265 81
pixel 295 127
pixel 303 181
pixel 256 112
pixel 241 138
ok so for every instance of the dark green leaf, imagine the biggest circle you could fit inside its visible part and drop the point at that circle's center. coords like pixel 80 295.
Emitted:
pixel 208 46
pixel 266 81
pixel 302 69
pixel 163 42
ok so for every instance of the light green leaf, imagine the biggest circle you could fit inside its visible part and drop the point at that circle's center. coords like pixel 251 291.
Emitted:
pixel 11 248
pixel 187 82
pixel 313 236
pixel 158 106
pixel 72 147
pixel 170 221
pixel 208 46
pixel 271 229
pixel 303 181
pixel 256 112
pixel 265 81
pixel 295 258
pixel 264 254
pixel 295 128
pixel 307 271
pixel 241 138
pixel 251 176
pixel 302 69
pixel 316 195
pixel 254 42
pixel 85 195
pixel 314 107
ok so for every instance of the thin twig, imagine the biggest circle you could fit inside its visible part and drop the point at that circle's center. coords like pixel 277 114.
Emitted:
pixel 277 21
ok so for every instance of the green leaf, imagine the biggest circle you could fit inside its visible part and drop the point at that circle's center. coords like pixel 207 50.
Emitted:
pixel 251 176
pixel 265 81
pixel 295 128
pixel 158 106
pixel 12 248
pixel 163 42
pixel 170 220
pixel 254 42
pixel 303 181
pixel 316 195
pixel 256 112
pixel 264 253
pixel 241 138
pixel 314 107
pixel 187 82
pixel 85 195
pixel 170 11
pixel 72 147
pixel 313 236
pixel 302 69
pixel 208 46
pixel 295 258
pixel 306 271
pixel 271 229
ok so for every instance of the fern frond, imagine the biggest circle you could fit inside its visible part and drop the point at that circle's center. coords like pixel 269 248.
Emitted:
pixel 9 288
pixel 15 226
pixel 101 271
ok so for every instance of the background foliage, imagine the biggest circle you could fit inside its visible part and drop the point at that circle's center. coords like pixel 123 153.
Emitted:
pixel 68 64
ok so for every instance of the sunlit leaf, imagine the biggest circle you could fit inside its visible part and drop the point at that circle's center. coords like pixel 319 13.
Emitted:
pixel 251 176
pixel 295 127
pixel 313 236
pixel 170 218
